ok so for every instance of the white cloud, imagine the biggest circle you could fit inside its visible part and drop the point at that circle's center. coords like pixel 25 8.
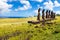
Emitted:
pixel 37 0
pixel 26 5
pixel 12 0
pixel 40 6
pixel 4 7
pixel 57 12
pixel 4 0
pixel 16 10
pixel 49 5
pixel 56 3
pixel 36 11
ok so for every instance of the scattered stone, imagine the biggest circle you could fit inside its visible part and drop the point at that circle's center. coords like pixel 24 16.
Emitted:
pixel 36 27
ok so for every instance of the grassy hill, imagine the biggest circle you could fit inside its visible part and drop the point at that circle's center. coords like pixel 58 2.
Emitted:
pixel 19 29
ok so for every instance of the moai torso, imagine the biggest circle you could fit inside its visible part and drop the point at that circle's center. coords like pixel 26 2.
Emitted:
pixel 38 17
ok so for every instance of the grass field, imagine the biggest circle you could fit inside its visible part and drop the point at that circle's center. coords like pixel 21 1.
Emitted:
pixel 19 29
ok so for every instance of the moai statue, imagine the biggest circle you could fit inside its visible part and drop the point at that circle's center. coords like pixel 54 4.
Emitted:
pixel 47 14
pixel 52 14
pixel 38 17
pixel 43 14
pixel 43 23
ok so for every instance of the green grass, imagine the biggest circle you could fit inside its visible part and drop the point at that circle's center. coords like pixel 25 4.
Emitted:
pixel 29 31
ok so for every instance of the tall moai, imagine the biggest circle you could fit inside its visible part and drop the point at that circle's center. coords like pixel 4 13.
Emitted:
pixel 52 14
pixel 43 14
pixel 38 17
pixel 47 14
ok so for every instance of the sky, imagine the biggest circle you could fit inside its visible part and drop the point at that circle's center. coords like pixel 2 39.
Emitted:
pixel 27 8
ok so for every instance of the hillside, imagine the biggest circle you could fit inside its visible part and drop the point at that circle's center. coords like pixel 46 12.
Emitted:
pixel 19 29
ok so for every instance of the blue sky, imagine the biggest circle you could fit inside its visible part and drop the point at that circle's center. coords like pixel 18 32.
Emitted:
pixel 26 8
